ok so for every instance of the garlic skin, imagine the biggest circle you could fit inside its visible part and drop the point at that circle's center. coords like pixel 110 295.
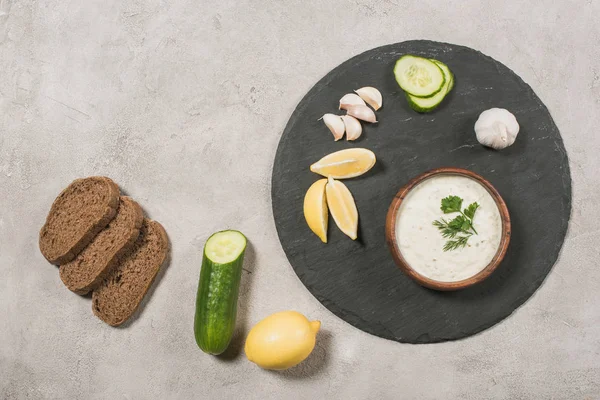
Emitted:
pixel 353 127
pixel 351 99
pixel 372 96
pixel 335 125
pixel 363 113
pixel 496 128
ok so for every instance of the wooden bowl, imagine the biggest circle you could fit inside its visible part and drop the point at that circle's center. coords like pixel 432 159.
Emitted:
pixel 390 231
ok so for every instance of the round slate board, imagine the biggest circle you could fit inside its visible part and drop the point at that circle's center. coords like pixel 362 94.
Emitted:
pixel 358 280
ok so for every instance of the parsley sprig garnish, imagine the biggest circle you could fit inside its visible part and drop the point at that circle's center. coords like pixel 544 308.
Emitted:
pixel 459 229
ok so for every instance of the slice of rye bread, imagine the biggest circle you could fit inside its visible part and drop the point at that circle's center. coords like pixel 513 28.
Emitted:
pixel 77 215
pixel 122 291
pixel 88 269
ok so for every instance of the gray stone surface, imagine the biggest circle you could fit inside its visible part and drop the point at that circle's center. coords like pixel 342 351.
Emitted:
pixel 182 103
pixel 358 280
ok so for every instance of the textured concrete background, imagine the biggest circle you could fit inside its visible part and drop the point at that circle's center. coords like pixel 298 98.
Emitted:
pixel 182 103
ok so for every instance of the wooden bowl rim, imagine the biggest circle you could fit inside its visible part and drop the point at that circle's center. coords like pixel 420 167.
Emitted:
pixel 390 230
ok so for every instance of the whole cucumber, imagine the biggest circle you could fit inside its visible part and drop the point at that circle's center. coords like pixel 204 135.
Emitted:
pixel 218 289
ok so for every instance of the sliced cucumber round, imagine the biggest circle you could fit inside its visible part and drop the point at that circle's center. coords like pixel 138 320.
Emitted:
pixel 447 74
pixel 225 246
pixel 428 104
pixel 451 84
pixel 419 76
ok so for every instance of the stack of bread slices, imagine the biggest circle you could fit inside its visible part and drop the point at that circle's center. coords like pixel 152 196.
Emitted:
pixel 104 245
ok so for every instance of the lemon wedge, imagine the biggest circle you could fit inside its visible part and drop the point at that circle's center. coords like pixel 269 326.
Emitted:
pixel 342 207
pixel 345 164
pixel 315 209
pixel 281 340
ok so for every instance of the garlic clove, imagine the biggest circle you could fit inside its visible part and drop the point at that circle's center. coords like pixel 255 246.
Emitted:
pixel 353 127
pixel 349 100
pixel 363 113
pixel 372 96
pixel 335 125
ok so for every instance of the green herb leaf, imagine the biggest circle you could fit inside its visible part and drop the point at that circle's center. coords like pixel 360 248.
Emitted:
pixel 446 230
pixel 470 211
pixel 460 241
pixel 451 204
pixel 458 223
pixel 466 226
pixel 461 224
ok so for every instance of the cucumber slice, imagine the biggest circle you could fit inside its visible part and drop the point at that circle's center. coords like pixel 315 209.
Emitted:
pixel 424 105
pixel 225 246
pixel 447 73
pixel 419 76
pixel 218 289
pixel 428 104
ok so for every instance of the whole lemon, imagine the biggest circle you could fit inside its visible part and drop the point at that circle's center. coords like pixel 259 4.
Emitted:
pixel 281 340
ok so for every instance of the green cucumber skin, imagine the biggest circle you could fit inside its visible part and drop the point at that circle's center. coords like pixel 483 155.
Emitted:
pixel 451 86
pixel 413 101
pixel 451 74
pixel 216 304
pixel 429 95
pixel 415 107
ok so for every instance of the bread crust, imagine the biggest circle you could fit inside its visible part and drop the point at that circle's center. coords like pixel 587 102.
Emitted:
pixel 109 294
pixel 91 266
pixel 63 253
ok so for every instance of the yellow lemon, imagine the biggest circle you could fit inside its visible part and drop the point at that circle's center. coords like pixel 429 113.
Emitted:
pixel 345 164
pixel 315 209
pixel 342 207
pixel 281 340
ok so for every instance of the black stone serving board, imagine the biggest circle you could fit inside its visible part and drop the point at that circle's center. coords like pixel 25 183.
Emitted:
pixel 358 280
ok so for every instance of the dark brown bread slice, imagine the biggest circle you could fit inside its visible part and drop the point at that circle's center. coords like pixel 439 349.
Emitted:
pixel 120 294
pixel 88 269
pixel 79 212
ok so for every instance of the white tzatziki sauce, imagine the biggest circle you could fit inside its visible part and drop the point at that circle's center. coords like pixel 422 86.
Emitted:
pixel 421 243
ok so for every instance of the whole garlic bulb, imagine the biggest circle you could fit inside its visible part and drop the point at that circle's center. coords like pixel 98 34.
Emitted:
pixel 496 128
